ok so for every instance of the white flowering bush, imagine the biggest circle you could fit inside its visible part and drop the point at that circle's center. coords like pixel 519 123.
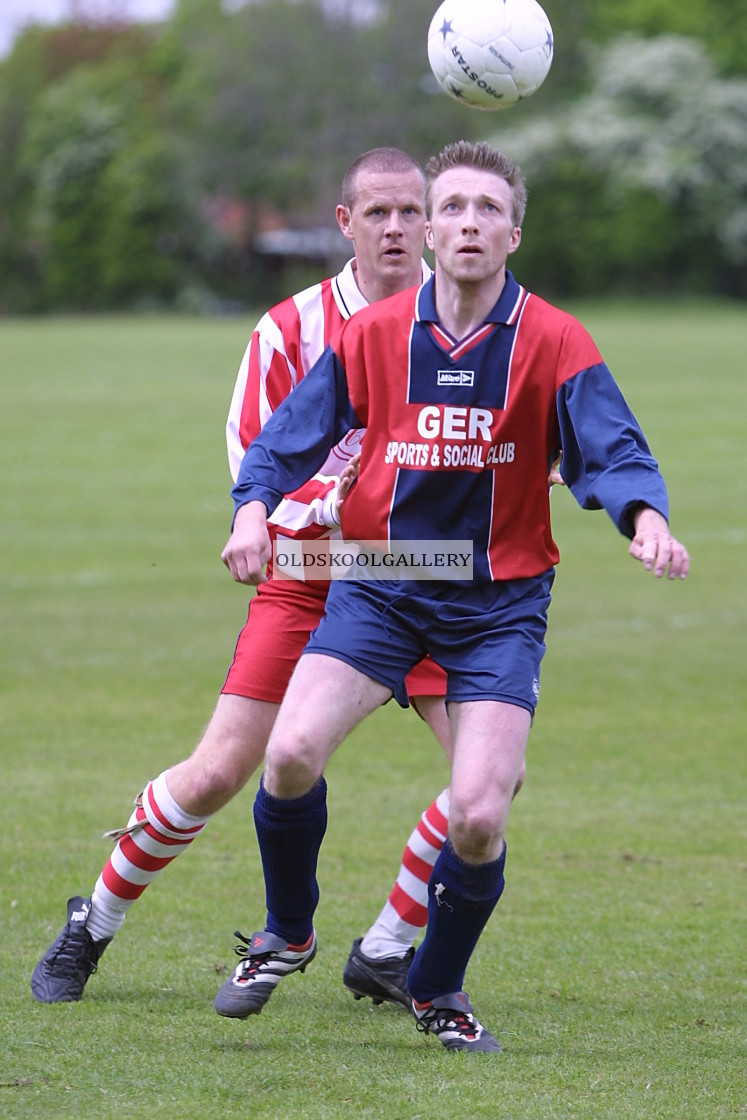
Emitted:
pixel 657 120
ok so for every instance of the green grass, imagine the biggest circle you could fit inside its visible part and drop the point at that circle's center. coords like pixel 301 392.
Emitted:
pixel 613 970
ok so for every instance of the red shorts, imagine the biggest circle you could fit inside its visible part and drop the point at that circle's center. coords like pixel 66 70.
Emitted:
pixel 281 616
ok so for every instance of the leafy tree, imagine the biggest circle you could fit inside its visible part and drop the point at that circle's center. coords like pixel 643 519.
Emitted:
pixel 276 99
pixel 75 131
pixel 22 79
pixel 283 95
pixel 139 162
pixel 149 236
pixel 108 208
pixel 643 182
pixel 719 25
pixel 42 58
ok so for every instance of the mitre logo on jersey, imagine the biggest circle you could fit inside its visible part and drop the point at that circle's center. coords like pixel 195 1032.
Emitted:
pixel 456 377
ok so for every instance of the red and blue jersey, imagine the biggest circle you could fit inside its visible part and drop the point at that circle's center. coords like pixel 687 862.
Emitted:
pixel 460 434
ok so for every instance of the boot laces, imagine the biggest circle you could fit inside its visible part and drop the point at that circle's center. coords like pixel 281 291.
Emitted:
pixel 74 953
pixel 438 1020
pixel 251 963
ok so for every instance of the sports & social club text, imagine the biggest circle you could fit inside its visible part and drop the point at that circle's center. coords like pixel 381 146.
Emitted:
pixel 468 428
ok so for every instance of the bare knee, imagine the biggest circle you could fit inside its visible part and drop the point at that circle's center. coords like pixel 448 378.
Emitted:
pixel 202 785
pixel 292 766
pixel 216 780
pixel 476 832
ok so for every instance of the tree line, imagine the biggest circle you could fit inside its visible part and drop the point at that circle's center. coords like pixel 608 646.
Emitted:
pixel 148 166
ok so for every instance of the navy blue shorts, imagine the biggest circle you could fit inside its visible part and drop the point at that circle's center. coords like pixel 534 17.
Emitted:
pixel 490 638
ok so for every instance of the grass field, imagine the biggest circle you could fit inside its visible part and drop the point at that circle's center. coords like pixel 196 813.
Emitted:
pixel 614 967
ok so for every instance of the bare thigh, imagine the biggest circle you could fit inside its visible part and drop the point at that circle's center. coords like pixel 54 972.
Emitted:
pixel 432 709
pixel 325 700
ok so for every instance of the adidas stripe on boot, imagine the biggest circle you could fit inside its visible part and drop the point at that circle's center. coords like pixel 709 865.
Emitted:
pixel 267 959
pixel 451 1018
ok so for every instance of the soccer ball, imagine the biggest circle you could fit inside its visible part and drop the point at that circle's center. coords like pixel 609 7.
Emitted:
pixel 489 54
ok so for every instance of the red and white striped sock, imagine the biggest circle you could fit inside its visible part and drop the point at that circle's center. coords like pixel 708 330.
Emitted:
pixel 156 833
pixel 405 912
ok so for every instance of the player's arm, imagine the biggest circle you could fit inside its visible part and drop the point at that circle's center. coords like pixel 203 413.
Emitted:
pixel 607 464
pixel 291 447
pixel 309 511
pixel 270 368
pixel 266 376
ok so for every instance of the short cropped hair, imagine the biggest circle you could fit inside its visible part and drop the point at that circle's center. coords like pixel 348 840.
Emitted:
pixel 383 160
pixel 480 155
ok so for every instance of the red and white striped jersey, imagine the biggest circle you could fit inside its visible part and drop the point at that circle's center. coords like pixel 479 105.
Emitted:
pixel 285 344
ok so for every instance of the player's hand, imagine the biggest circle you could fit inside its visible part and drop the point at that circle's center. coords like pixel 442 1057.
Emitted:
pixel 248 548
pixel 347 478
pixel 555 478
pixel 656 548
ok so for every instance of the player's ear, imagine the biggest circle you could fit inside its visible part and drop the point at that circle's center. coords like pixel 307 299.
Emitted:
pixel 515 239
pixel 344 221
pixel 429 236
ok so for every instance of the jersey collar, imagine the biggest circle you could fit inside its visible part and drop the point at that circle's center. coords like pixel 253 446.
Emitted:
pixel 348 295
pixel 505 310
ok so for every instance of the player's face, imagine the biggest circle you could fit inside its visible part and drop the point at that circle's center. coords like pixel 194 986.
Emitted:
pixel 471 228
pixel 387 227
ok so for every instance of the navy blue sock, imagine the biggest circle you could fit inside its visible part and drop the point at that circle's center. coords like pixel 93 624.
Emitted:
pixel 461 898
pixel 290 834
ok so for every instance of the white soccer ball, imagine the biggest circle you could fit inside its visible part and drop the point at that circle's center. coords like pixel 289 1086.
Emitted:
pixel 489 54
